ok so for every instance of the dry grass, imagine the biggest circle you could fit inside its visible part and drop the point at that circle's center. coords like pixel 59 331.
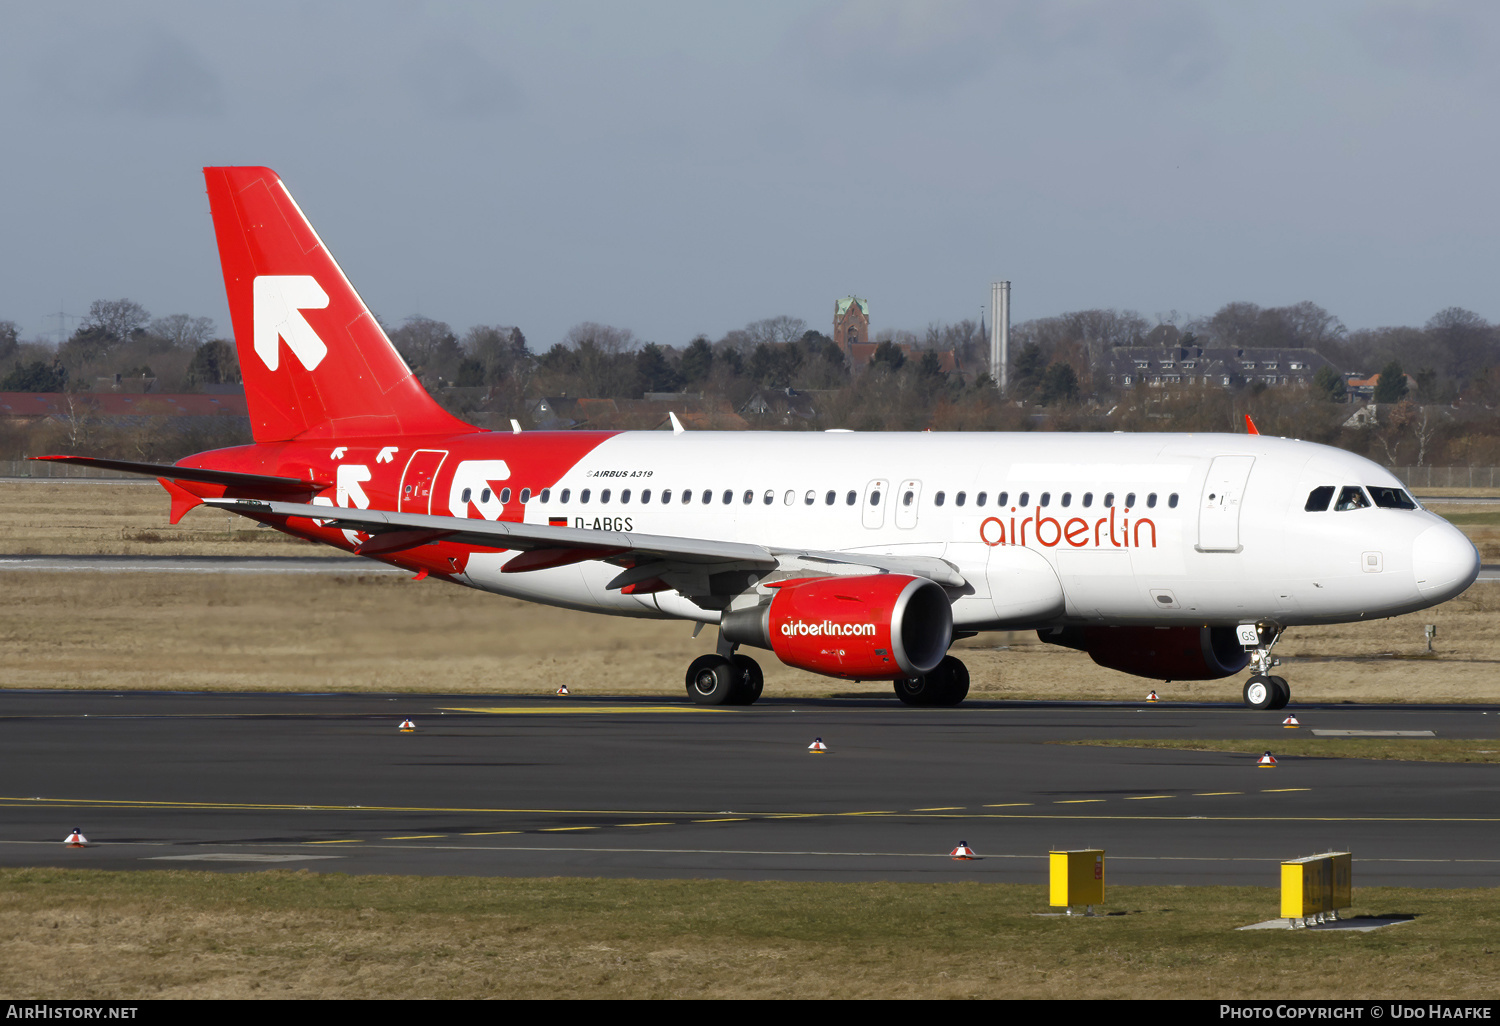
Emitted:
pixel 387 633
pixel 84 935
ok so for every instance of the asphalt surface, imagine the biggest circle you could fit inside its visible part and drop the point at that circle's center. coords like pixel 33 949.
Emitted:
pixel 646 788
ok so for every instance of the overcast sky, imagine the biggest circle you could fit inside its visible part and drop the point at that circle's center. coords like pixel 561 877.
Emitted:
pixel 684 168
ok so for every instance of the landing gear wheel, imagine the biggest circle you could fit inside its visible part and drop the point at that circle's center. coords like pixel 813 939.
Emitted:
pixel 1283 692
pixel 1260 692
pixel 914 691
pixel 751 681
pixel 947 684
pixel 711 680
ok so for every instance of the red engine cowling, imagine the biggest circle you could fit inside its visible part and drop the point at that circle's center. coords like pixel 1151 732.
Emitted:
pixel 875 627
pixel 1159 653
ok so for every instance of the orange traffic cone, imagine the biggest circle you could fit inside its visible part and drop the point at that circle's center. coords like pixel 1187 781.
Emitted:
pixel 407 726
pixel 1290 721
pixel 76 839
pixel 1267 761
pixel 563 690
pixel 817 747
pixel 963 853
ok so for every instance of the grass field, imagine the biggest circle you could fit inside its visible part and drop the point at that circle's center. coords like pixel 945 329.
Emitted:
pixel 297 935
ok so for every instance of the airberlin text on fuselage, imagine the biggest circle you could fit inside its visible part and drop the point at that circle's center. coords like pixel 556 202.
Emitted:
pixel 1074 531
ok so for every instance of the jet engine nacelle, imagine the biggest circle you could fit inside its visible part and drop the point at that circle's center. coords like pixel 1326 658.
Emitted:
pixel 874 627
pixel 1160 653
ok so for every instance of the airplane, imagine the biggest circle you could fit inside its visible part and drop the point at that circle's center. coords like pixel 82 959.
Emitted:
pixel 859 556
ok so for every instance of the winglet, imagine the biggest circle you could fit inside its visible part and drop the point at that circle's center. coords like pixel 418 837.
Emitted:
pixel 1250 425
pixel 677 427
pixel 515 426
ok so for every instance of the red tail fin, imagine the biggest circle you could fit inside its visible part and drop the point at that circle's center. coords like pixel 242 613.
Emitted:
pixel 315 362
pixel 1250 426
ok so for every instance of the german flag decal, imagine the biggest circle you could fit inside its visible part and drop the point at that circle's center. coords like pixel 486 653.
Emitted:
pixel 557 521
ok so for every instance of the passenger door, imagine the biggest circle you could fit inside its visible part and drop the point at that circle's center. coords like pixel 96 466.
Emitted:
pixel 1219 510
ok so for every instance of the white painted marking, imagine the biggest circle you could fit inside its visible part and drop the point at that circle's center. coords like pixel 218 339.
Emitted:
pixel 279 300
pixel 1374 733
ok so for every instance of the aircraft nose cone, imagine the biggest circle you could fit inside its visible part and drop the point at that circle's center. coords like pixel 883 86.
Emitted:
pixel 1445 562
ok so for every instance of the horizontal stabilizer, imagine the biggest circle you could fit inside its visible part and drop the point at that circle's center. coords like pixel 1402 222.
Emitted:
pixel 228 478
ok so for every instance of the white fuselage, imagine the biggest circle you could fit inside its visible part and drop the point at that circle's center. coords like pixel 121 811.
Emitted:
pixel 1046 529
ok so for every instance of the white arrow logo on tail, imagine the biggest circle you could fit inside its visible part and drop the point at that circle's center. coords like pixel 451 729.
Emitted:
pixel 279 302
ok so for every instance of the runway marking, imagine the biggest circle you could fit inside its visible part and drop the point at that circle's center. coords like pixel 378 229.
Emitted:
pixel 944 808
pixel 1078 801
pixel 643 824
pixel 1146 797
pixel 608 710
pixel 558 830
pixel 1282 790
pixel 1214 794
pixel 415 837
pixel 488 833
pixel 352 841
pixel 1009 805
pixel 742 819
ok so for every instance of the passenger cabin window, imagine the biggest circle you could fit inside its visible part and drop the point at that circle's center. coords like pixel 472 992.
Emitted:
pixel 1172 500
pixel 728 496
pixel 1130 500
pixel 875 497
pixel 809 498
pixel 1046 500
pixel 1318 499
pixel 625 495
pixel 769 497
pixel 687 496
pixel 525 494
pixel 1109 499
pixel 666 496
pixel 979 499
pixel 604 495
pixel 851 498
pixel 708 496
pixel 505 496
pixel 1025 498
pixel 908 497
pixel 958 500
pixel 828 499
pixel 567 493
pixel 1067 499
pixel 1151 501
pixel 1391 498
pixel 484 496
pixel 789 498
pixel 1088 499
pixel 937 500
pixel 645 495
pixel 465 496
pixel 547 495
pixel 1351 497
pixel 748 497
pixel 583 496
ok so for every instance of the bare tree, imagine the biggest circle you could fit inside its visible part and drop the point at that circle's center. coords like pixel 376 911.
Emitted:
pixel 179 331
pixel 117 318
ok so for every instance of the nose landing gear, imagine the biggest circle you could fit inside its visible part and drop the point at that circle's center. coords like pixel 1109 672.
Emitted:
pixel 1263 690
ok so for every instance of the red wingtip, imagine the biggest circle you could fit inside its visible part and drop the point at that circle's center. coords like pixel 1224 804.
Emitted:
pixel 1250 425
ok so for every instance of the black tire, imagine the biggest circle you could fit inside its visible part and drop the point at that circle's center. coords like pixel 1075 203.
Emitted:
pixel 1283 692
pixel 711 680
pixel 955 686
pixel 1260 692
pixel 914 690
pixel 751 681
pixel 947 684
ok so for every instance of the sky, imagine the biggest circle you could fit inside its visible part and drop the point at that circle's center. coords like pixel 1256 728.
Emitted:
pixel 685 168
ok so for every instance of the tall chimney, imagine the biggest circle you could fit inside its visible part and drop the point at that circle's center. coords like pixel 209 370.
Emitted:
pixel 1000 334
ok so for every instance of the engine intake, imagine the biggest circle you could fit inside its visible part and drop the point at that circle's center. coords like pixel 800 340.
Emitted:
pixel 874 627
pixel 1158 653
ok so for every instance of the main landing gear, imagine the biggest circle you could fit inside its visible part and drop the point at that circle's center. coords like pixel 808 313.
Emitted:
pixel 1262 690
pixel 948 684
pixel 724 678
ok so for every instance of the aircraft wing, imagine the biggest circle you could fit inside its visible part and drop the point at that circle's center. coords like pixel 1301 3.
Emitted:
pixel 678 562
pixel 230 479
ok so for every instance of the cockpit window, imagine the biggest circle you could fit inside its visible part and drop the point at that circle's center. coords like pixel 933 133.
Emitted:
pixel 1351 497
pixel 1391 498
pixel 1318 499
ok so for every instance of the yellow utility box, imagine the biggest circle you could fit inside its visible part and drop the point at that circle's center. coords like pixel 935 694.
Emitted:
pixel 1316 886
pixel 1077 877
